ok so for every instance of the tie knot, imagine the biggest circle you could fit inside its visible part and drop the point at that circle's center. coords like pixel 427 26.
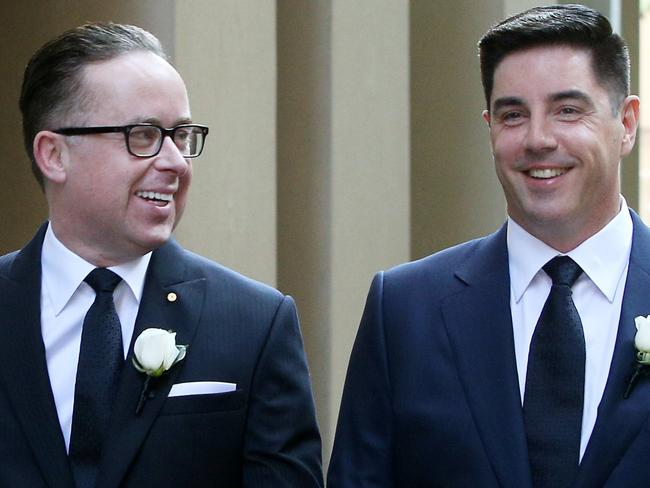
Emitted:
pixel 102 279
pixel 563 270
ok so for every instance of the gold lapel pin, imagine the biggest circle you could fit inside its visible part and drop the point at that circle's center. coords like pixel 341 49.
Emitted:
pixel 172 297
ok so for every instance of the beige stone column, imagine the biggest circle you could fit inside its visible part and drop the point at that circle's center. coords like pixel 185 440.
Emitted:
pixel 343 165
pixel 454 190
pixel 226 52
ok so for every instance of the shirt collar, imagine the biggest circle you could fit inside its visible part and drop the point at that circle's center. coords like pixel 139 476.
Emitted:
pixel 63 271
pixel 603 257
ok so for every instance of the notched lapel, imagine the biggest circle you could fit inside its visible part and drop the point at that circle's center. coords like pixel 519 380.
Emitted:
pixel 157 309
pixel 479 325
pixel 620 420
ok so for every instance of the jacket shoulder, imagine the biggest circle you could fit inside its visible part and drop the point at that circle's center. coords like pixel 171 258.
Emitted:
pixel 441 263
pixel 218 275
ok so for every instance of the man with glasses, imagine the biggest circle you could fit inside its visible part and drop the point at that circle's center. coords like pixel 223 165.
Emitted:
pixel 129 361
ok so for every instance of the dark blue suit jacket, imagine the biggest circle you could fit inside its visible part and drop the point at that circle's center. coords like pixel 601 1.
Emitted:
pixel 432 396
pixel 238 331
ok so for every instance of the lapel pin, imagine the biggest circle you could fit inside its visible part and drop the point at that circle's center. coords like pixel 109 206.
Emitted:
pixel 172 297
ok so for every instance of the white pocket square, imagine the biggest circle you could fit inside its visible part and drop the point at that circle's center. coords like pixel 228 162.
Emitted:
pixel 201 388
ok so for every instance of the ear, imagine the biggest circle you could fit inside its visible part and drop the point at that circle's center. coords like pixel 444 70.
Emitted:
pixel 630 121
pixel 49 150
pixel 486 117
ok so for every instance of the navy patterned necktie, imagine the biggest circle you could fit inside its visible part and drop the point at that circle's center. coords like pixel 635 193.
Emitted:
pixel 555 381
pixel 101 357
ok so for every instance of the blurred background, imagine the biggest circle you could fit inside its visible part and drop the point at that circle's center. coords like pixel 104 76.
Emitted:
pixel 345 137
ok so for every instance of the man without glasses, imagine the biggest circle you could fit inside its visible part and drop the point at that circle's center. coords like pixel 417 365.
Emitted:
pixel 505 361
pixel 108 129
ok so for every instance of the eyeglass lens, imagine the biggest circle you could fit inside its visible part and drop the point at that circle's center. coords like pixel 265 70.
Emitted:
pixel 146 140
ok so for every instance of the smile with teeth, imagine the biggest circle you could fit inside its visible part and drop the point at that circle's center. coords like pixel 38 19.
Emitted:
pixel 155 196
pixel 546 173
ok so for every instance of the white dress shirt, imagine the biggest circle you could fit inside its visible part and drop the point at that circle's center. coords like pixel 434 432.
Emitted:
pixel 597 294
pixel 65 299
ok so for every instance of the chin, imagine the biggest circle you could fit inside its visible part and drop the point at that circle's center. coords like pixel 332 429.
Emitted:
pixel 154 240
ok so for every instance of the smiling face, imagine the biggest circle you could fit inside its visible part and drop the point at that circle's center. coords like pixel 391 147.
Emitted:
pixel 109 206
pixel 557 143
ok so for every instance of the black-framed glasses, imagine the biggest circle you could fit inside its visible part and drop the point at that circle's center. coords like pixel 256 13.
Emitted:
pixel 146 140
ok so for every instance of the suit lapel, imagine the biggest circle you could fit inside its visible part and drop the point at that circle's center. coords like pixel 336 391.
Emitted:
pixel 619 419
pixel 479 325
pixel 23 363
pixel 166 274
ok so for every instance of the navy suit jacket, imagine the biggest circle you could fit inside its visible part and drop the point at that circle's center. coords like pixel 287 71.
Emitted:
pixel 432 396
pixel 238 331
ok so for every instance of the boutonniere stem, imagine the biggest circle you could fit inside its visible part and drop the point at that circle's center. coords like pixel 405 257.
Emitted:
pixel 143 395
pixel 642 345
pixel 638 370
pixel 155 351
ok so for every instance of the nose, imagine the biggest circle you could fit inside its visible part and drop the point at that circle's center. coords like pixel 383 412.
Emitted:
pixel 540 136
pixel 170 158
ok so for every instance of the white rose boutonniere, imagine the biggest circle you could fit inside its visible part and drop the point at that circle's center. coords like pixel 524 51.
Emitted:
pixel 155 351
pixel 642 345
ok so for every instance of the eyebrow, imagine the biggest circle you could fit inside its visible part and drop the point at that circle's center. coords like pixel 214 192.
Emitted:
pixel 572 94
pixel 554 97
pixel 156 121
pixel 507 102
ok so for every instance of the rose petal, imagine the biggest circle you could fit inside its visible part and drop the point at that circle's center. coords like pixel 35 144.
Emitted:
pixel 156 351
pixel 642 339
pixel 150 348
pixel 641 321
pixel 170 352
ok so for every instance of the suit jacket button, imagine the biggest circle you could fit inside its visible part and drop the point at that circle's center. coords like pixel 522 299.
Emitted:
pixel 172 297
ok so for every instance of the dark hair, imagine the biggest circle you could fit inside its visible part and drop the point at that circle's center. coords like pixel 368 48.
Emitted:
pixel 52 85
pixel 571 25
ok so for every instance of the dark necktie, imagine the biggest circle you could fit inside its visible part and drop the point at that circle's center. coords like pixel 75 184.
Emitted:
pixel 100 361
pixel 555 382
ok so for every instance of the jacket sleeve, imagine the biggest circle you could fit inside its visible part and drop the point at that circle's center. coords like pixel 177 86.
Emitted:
pixel 282 446
pixel 362 455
